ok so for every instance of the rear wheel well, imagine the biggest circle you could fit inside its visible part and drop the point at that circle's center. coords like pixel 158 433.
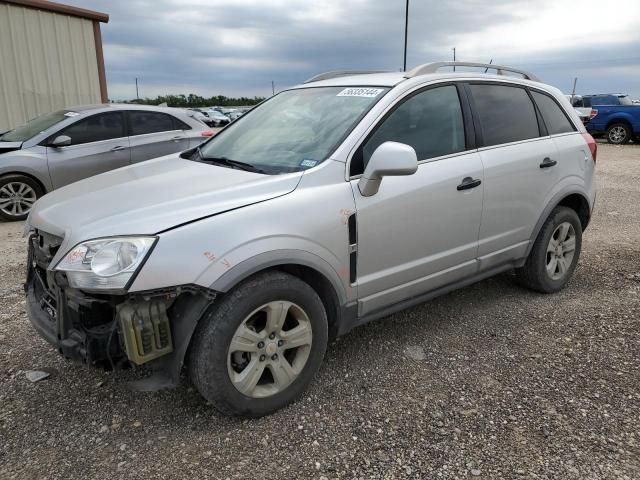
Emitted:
pixel 619 120
pixel 580 205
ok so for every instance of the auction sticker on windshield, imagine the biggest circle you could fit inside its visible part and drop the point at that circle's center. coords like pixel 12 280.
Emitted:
pixel 360 92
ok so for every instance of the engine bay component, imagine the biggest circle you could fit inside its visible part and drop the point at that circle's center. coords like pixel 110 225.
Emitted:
pixel 145 330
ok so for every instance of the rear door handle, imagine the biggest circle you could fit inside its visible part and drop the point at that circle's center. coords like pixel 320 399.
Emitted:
pixel 118 148
pixel 468 182
pixel 547 162
pixel 178 137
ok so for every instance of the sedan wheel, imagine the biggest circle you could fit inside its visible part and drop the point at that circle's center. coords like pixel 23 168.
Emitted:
pixel 16 199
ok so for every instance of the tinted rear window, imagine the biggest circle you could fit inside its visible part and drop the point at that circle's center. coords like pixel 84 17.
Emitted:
pixel 554 118
pixel 506 114
pixel 150 122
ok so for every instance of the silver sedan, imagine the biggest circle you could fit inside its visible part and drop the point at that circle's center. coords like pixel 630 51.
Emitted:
pixel 63 147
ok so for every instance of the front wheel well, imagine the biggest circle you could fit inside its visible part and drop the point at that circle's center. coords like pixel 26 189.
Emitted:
pixel 323 288
pixel 35 179
pixel 580 205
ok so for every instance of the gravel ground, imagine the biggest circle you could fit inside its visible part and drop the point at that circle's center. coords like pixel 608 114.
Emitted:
pixel 492 381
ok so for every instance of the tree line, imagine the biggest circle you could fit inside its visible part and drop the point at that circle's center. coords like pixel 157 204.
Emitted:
pixel 191 101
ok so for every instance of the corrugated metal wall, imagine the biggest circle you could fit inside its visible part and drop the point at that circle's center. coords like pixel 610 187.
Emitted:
pixel 47 61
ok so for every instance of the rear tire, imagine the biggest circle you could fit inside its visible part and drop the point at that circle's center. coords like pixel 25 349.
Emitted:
pixel 555 253
pixel 18 193
pixel 244 364
pixel 619 134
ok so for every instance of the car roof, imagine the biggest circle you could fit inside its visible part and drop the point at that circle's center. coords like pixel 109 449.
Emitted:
pixel 122 106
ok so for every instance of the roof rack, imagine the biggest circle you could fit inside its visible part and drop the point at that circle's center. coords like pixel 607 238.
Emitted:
pixel 434 67
pixel 340 73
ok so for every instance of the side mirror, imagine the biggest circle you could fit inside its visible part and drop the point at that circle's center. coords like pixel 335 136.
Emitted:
pixel 60 141
pixel 389 159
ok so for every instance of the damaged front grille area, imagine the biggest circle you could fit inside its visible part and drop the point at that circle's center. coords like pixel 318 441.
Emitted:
pixel 110 330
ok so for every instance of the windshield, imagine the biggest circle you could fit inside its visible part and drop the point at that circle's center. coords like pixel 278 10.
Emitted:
pixel 294 130
pixel 34 126
pixel 625 100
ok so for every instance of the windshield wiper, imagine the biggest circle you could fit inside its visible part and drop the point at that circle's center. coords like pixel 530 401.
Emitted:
pixel 230 163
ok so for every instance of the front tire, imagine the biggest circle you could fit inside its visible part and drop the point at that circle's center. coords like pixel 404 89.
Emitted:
pixel 18 193
pixel 555 253
pixel 258 349
pixel 618 134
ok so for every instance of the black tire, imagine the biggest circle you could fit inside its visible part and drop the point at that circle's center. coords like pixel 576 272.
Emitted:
pixel 619 134
pixel 14 179
pixel 211 340
pixel 534 273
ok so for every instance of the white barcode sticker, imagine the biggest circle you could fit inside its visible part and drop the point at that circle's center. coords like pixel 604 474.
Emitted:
pixel 360 92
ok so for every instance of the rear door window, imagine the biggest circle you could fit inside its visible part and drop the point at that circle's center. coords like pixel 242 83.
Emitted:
pixel 96 128
pixel 554 117
pixel 506 113
pixel 141 123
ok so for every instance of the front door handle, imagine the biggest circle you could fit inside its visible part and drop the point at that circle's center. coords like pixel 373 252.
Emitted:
pixel 468 182
pixel 118 148
pixel 547 162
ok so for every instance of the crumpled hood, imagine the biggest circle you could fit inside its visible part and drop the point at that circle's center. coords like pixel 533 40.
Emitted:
pixel 150 197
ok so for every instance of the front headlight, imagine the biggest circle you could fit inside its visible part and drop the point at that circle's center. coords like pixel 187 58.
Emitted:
pixel 105 264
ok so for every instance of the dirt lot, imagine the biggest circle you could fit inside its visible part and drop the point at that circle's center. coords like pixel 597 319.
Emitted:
pixel 492 381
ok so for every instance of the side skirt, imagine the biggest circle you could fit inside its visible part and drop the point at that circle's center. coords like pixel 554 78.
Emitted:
pixel 351 320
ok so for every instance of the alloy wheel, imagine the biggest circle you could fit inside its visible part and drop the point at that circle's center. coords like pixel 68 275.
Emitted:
pixel 560 251
pixel 269 349
pixel 617 134
pixel 16 198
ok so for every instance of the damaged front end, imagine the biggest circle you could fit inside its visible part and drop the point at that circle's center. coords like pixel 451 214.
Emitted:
pixel 112 330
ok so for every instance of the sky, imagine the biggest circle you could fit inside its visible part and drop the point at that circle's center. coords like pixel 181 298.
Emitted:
pixel 238 47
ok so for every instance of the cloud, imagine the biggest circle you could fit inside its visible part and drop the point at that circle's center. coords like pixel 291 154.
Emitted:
pixel 238 47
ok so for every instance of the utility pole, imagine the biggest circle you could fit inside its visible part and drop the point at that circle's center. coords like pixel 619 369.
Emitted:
pixel 406 32
pixel 454 58
pixel 273 88
pixel 573 92
pixel 137 96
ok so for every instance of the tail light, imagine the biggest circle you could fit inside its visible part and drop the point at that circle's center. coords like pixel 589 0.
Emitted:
pixel 591 143
pixel 207 133
pixel 593 113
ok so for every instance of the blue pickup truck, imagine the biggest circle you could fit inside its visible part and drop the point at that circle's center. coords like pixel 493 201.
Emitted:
pixel 614 115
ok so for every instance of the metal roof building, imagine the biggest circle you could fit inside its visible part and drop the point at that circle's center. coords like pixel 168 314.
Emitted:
pixel 50 56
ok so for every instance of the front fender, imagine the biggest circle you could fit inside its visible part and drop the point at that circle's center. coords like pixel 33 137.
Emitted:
pixel 27 162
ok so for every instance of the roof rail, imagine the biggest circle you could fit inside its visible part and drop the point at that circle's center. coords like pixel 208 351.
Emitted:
pixel 340 73
pixel 434 67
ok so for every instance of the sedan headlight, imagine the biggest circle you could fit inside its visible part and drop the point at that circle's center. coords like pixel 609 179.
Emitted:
pixel 105 264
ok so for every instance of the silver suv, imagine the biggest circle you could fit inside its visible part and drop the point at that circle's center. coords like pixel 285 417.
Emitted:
pixel 332 204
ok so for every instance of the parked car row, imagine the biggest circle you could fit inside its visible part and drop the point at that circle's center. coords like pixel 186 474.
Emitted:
pixel 62 147
pixel 613 115
pixel 217 116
